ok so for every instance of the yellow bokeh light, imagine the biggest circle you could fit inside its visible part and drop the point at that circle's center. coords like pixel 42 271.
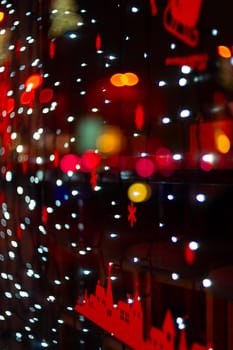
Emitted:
pixel 139 192
pixel 110 141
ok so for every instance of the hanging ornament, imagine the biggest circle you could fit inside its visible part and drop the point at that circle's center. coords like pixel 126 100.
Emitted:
pixel 44 215
pixel 19 232
pixel 93 179
pixel 98 42
pixel 56 160
pixel 181 18
pixel 132 211
pixel 52 49
pixel 153 8
pixel 139 117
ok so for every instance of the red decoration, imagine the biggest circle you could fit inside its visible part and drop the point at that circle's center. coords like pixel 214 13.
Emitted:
pixel 44 215
pixel 93 179
pixel 125 321
pixel 197 61
pixel 19 232
pixel 56 158
pixel 131 217
pixel 189 255
pixel 52 49
pixel 139 117
pixel 180 19
pixel 98 42
pixel 153 8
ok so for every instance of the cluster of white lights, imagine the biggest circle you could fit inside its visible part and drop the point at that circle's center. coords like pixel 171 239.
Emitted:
pixel 32 203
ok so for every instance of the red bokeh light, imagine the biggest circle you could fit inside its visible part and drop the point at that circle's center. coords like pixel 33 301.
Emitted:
pixel 164 158
pixel 145 167
pixel 69 162
pixel 90 160
pixel 26 98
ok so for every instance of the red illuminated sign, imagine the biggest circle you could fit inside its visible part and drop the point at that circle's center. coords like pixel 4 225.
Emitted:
pixel 124 321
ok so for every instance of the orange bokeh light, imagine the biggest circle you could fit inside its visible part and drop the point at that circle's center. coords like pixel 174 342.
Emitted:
pixel 127 79
pixel 2 15
pixel 33 82
pixel 116 80
pixel 224 51
pixel 131 79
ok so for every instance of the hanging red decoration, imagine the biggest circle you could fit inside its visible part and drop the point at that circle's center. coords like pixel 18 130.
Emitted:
pixel 52 49
pixel 93 179
pixel 18 232
pixel 153 8
pixel 131 217
pixel 44 215
pixel 98 42
pixel 139 117
pixel 56 158
pixel 189 255
pixel 181 18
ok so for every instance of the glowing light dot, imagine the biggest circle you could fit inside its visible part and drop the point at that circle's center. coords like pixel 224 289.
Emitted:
pixel 193 245
pixel 182 82
pixel 200 197
pixel 170 197
pixel 166 120
pixel 134 9
pixel 185 113
pixel 175 276
pixel 186 69
pixel 206 283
